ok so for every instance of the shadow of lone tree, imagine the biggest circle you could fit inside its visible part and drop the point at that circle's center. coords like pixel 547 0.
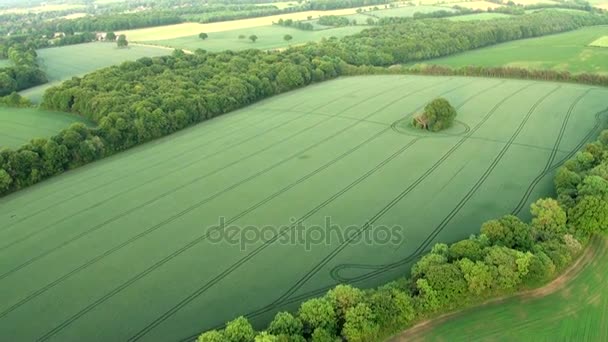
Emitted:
pixel 438 115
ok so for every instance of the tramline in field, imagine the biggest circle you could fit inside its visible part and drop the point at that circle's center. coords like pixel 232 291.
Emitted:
pixel 91 248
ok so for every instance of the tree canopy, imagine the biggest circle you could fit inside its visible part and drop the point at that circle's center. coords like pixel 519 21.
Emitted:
pixel 438 115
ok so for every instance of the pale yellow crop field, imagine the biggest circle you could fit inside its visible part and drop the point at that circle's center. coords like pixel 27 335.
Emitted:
pixel 189 29
pixel 600 42
pixel 532 2
pixel 602 6
pixel 40 9
pixel 477 5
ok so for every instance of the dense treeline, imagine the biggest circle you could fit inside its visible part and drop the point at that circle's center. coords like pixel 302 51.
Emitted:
pixel 298 24
pixel 477 71
pixel 117 22
pixel 139 101
pixel 508 255
pixel 434 14
pixel 415 40
pixel 24 73
pixel 335 4
pixel 333 20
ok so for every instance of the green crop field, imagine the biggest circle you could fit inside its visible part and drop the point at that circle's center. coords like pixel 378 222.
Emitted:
pixel 479 16
pixel 355 193
pixel 576 312
pixel 20 125
pixel 407 11
pixel 566 51
pixel 65 62
pixel 269 37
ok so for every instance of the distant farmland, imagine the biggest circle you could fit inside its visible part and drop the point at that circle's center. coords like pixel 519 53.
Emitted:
pixel 65 62
pixel 190 29
pixel 88 249
pixel 20 125
pixel 269 37
pixel 575 312
pixel 565 51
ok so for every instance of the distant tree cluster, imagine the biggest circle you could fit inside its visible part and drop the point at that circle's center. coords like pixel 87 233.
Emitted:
pixel 24 73
pixel 122 41
pixel 335 4
pixel 300 25
pixel 438 115
pixel 333 20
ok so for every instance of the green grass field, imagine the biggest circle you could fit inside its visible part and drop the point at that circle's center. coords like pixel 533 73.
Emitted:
pixel 600 42
pixel 20 125
pixel 566 51
pixel 479 16
pixel 576 312
pixel 90 248
pixel 65 62
pixel 269 37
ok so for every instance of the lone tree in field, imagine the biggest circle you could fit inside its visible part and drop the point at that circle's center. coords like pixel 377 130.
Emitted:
pixel 110 36
pixel 438 115
pixel 122 42
pixel 203 35
pixel 287 37
pixel 253 38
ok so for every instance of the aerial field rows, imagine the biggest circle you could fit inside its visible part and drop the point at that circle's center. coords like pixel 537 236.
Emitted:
pixel 92 247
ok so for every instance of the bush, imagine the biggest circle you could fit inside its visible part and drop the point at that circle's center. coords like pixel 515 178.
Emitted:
pixel 438 115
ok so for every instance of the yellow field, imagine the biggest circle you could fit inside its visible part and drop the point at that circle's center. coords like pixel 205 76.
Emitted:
pixel 477 5
pixel 600 42
pixel 602 6
pixel 189 29
pixel 532 2
pixel 39 9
